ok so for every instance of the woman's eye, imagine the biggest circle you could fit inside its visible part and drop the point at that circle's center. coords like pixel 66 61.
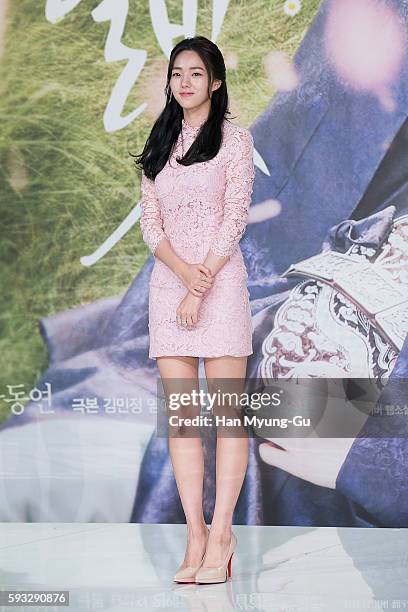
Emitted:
pixel 178 74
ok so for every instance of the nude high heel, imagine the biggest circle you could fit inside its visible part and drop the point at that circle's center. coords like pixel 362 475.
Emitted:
pixel 211 575
pixel 187 574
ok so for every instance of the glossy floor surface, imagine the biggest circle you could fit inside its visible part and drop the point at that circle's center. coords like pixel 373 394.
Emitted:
pixel 119 567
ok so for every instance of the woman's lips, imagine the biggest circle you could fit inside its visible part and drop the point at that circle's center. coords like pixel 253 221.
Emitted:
pixel 186 94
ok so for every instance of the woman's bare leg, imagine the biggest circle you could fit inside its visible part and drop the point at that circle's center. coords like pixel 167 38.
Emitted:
pixel 187 456
pixel 231 461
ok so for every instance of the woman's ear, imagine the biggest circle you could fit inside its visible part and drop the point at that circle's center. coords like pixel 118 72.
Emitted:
pixel 216 85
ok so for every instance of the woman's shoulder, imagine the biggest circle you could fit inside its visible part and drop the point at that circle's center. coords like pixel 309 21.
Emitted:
pixel 232 129
pixel 236 135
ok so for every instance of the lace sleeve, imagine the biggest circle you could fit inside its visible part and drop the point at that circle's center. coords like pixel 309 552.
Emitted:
pixel 240 174
pixel 151 223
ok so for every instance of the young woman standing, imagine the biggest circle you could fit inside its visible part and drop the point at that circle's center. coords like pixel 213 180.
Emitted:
pixel 197 183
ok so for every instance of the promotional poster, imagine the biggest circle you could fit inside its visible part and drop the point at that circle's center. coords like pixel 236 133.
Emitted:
pixel 271 264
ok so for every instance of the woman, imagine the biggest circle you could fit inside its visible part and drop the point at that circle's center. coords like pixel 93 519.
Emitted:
pixel 197 183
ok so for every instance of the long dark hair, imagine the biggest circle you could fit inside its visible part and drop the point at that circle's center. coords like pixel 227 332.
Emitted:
pixel 167 126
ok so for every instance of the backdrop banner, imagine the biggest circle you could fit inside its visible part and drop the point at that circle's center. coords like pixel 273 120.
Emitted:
pixel 82 434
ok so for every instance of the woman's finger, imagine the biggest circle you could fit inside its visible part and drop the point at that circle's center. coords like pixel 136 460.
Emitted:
pixel 204 269
pixel 196 291
pixel 181 317
pixel 203 285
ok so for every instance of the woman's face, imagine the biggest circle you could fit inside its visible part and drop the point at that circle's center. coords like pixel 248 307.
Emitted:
pixel 189 75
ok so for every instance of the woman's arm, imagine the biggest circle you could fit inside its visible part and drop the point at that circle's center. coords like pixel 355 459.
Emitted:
pixel 151 225
pixel 240 174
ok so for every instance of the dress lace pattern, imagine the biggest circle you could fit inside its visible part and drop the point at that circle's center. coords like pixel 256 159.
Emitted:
pixel 199 208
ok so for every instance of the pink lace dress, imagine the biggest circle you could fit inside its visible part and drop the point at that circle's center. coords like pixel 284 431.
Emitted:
pixel 199 208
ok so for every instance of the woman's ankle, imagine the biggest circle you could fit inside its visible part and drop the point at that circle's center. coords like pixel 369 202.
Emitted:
pixel 197 529
pixel 221 532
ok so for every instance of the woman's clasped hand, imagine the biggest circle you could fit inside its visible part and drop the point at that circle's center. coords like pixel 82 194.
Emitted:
pixel 198 279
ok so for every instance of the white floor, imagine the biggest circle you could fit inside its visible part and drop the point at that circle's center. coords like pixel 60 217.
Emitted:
pixel 118 567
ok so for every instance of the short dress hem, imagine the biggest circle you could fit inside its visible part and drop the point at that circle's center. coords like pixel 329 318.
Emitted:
pixel 201 356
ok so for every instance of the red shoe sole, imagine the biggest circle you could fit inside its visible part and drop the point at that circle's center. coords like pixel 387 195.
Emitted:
pixel 229 566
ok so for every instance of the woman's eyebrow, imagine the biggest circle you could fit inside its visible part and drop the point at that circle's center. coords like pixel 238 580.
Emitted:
pixel 191 68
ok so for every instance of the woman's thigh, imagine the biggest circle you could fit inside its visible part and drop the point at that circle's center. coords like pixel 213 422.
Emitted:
pixel 226 382
pixel 179 378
